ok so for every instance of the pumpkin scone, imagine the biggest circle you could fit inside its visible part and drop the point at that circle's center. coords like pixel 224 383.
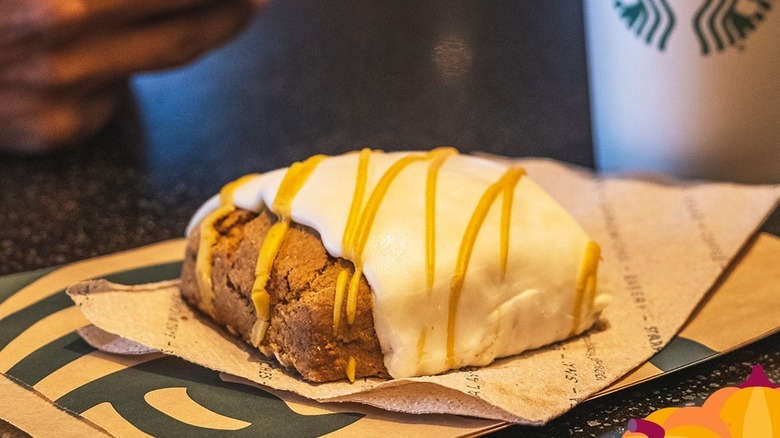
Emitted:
pixel 391 264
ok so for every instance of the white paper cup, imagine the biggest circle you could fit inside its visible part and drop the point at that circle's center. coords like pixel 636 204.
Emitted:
pixel 686 87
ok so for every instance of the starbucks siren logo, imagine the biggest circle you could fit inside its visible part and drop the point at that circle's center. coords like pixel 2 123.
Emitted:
pixel 727 22
pixel 651 20
pixel 717 24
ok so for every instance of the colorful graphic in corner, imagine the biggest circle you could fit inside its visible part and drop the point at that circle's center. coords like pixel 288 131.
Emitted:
pixel 141 395
pixel 717 24
pixel 751 409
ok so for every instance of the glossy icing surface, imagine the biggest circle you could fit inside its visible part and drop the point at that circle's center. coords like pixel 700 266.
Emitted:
pixel 468 259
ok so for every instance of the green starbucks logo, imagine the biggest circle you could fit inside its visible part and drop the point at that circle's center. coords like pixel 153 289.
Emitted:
pixel 717 24
pixel 722 23
pixel 651 20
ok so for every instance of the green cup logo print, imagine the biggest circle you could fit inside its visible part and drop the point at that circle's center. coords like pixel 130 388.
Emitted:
pixel 651 20
pixel 717 24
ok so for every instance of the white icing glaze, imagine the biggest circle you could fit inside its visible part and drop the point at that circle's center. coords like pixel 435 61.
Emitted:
pixel 529 307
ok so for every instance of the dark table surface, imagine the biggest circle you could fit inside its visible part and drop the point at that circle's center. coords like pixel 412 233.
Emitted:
pixel 505 77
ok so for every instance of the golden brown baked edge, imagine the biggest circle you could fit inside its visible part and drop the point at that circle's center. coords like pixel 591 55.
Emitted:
pixel 302 289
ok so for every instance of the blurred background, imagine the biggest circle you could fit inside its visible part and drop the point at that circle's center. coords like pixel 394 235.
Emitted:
pixel 503 76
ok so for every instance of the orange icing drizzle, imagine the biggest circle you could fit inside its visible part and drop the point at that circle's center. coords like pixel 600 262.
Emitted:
pixel 208 238
pixel 586 284
pixel 351 368
pixel 349 230
pixel 359 224
pixel 338 302
pixel 356 233
pixel 293 181
pixel 508 180
pixel 430 230
pixel 357 197
pixel 430 213
pixel 356 236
